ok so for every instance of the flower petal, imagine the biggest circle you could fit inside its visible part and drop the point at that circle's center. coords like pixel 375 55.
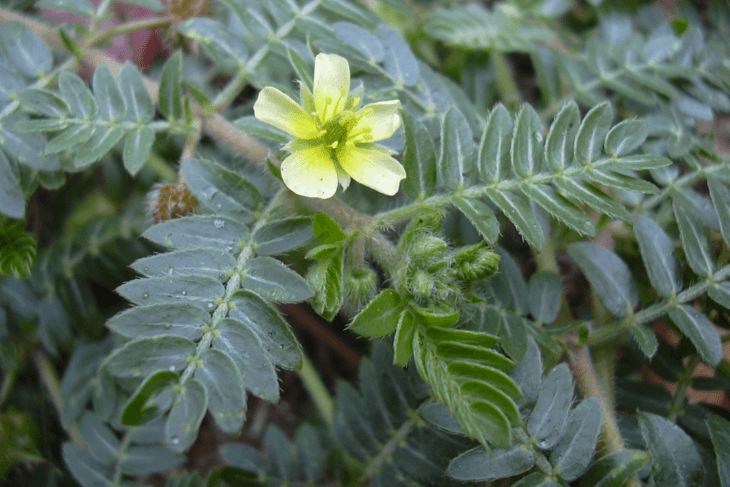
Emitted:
pixel 372 167
pixel 331 85
pixel 277 109
pixel 310 172
pixel 376 121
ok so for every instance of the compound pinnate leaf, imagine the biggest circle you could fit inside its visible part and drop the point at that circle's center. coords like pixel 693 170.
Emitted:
pixel 187 412
pixel 108 96
pixel 519 212
pixel 25 51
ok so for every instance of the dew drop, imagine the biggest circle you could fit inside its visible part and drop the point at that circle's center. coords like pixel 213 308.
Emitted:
pixel 184 293
pixel 221 277
pixel 538 136
pixel 174 440
pixel 170 271
pixel 145 295
pixel 229 248
pixel 145 268
pixel 171 368
pixel 221 415
pixel 219 223
pixel 218 206
pixel 210 305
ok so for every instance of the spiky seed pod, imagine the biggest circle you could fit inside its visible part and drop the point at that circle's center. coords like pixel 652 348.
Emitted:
pixel 170 201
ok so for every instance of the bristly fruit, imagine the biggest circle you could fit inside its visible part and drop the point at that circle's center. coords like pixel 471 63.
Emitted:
pixel 170 201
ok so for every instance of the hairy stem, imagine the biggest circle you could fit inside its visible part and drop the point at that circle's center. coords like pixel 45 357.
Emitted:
pixel 683 382
pixel 585 376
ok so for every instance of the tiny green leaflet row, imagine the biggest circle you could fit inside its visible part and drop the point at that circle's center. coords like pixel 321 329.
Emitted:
pixel 118 109
pixel 517 167
pixel 611 278
pixel 204 308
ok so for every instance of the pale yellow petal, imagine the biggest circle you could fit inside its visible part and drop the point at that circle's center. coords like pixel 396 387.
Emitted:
pixel 310 172
pixel 331 85
pixel 277 109
pixel 376 121
pixel 371 167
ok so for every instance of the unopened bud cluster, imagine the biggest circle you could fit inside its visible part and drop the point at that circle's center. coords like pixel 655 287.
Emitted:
pixel 433 273
pixel 360 288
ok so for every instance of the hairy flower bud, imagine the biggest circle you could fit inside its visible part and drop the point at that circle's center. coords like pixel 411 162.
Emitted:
pixel 421 284
pixel 475 262
pixel 426 249
pixel 360 286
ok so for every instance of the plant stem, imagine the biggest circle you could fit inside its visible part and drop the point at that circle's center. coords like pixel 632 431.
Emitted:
pixel 49 378
pixel 585 377
pixel 506 84
pixel 317 390
pixel 127 28
pixel 683 382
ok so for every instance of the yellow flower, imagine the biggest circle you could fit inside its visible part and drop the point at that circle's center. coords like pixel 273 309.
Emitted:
pixel 333 139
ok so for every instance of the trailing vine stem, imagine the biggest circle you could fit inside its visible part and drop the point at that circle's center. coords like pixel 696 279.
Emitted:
pixel 233 285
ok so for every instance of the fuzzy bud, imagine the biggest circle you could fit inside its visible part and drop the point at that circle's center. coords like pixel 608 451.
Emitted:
pixel 361 286
pixel 171 201
pixel 427 248
pixel 475 262
pixel 421 284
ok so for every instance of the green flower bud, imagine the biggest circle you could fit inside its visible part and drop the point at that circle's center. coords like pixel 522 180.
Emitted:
pixel 360 287
pixel 475 262
pixel 426 249
pixel 421 284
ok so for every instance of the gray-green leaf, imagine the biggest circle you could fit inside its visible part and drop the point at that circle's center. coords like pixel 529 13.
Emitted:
pixel 142 357
pixel 456 159
pixel 199 232
pixel 592 132
pixel 608 275
pixel 574 451
pixel 186 414
pixel 526 151
pixel 561 137
pixel 273 280
pixel 700 330
pixel 550 414
pixel 226 393
pixel 419 159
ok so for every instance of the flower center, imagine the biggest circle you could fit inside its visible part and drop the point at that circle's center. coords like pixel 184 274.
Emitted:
pixel 337 129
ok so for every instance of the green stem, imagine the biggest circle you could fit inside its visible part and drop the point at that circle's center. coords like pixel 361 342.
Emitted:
pixel 161 167
pixel 126 441
pixel 49 378
pixel 506 84
pixel 603 354
pixel 587 381
pixel 317 390
pixel 127 28
pixel 683 382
